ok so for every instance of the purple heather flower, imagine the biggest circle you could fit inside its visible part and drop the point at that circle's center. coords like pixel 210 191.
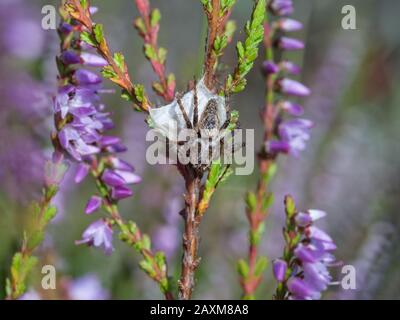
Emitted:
pixel 293 88
pixel 87 287
pixel 98 234
pixel 290 67
pixel 93 60
pixel 81 172
pixel 301 290
pixel 313 257
pixel 121 164
pixel 93 10
pixel 128 176
pixel 295 133
pixel 308 253
pixel 93 204
pixel 289 25
pixel 86 77
pixel 112 179
pixel 66 28
pixel 304 219
pixel 70 57
pixel 30 295
pixel 109 141
pixel 289 44
pixel 292 108
pixel 121 192
pixel 85 58
pixel 82 124
pixel 279 269
pixel 268 67
pixel 281 7
pixel 276 146
pixel 317 275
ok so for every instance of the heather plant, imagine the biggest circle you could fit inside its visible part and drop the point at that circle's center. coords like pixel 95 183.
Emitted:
pixel 81 139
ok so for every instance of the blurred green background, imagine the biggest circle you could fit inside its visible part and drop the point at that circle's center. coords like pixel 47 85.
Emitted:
pixel 350 168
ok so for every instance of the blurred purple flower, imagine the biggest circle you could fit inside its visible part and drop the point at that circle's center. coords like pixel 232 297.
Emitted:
pixel 292 108
pixel 98 234
pixel 93 204
pixel 289 25
pixel 279 269
pixel 30 295
pixel 22 35
pixel 268 67
pixel 87 287
pixel 290 67
pixel 289 44
pixel 293 88
pixel 293 136
pixel 281 7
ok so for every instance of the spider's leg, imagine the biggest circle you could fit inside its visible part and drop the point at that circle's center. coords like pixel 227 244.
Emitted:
pixel 196 106
pixel 185 116
pixel 227 121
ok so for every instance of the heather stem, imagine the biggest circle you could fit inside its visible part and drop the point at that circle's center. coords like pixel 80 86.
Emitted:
pixel 42 213
pixel 190 238
pixel 148 26
pixel 213 30
pixel 266 165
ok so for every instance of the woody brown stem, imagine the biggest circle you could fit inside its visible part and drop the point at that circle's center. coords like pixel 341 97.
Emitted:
pixel 213 30
pixel 191 238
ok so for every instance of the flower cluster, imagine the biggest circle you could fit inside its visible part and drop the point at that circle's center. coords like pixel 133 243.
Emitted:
pixel 303 270
pixel 82 125
pixel 292 134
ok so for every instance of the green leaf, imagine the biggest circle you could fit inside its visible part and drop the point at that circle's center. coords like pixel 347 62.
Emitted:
pixel 146 242
pixel 120 61
pixel 139 92
pixel 251 201
pixel 139 25
pixel 108 72
pixel 160 259
pixel 248 51
pixel 155 17
pixel 148 268
pixel 268 200
pixel 162 55
pixel 261 265
pixel 149 52
pixel 88 38
pixel 273 168
pixel 157 86
pixel 35 240
pixel 243 268
pixel 49 214
pixel 255 235
pixel 84 4
pixel 207 5
pixel 290 206
pixel 240 50
pixel 125 95
pixel 98 33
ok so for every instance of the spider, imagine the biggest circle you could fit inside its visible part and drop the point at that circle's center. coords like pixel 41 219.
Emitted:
pixel 206 134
